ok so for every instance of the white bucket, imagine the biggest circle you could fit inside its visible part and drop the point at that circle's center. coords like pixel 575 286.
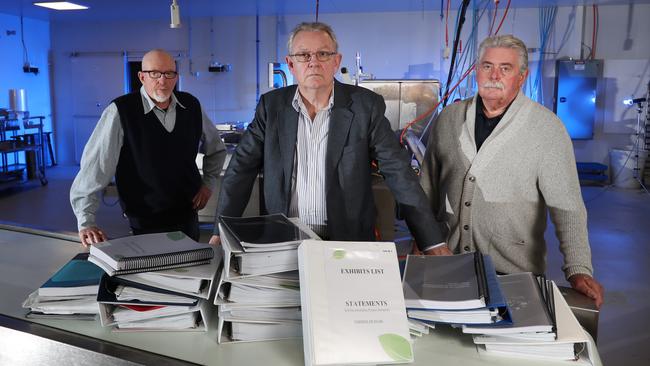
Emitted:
pixel 623 175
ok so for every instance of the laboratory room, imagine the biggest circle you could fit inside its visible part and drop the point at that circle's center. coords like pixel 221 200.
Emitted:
pixel 324 182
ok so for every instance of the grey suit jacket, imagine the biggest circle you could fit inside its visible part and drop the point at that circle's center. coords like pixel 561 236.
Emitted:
pixel 358 134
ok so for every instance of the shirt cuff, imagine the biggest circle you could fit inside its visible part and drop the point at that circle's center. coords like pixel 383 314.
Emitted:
pixel 434 246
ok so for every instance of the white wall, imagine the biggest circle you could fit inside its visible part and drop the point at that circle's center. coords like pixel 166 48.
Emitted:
pixel 37 87
pixel 229 96
pixel 392 45
pixel 624 47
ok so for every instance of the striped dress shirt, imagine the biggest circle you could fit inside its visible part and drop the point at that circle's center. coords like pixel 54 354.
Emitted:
pixel 308 179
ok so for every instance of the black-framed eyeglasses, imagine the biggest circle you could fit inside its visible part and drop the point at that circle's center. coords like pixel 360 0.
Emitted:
pixel 321 56
pixel 155 74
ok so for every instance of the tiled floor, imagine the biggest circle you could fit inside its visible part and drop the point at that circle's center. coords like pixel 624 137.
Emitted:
pixel 619 228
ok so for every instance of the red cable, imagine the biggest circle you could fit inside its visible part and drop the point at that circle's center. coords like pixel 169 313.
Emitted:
pixel 593 33
pixel 421 117
pixel 494 18
pixel 503 18
pixel 597 28
pixel 446 25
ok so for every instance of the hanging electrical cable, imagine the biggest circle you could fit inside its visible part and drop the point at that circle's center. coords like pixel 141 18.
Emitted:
pixel 447 24
pixel 546 21
pixel 317 6
pixel 463 10
pixel 445 97
pixel 469 50
pixel 469 55
pixel 494 18
pixel 22 40
pixel 594 33
pixel 505 13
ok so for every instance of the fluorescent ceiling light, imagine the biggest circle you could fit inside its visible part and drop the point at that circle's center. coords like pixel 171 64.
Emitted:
pixel 61 5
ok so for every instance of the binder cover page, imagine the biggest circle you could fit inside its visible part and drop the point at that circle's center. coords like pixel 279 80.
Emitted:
pixel 353 306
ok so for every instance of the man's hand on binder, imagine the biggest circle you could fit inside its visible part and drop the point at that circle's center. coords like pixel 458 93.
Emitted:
pixel 215 240
pixel 91 235
pixel 588 286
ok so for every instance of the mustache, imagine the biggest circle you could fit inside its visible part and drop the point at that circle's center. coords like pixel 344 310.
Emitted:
pixel 493 85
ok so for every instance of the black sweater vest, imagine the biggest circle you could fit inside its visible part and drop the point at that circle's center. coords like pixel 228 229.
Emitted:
pixel 156 173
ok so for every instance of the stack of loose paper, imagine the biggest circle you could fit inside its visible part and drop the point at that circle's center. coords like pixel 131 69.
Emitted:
pixel 458 289
pixel 572 342
pixel 132 306
pixel 259 290
pixel 149 252
pixel 352 304
pixel 69 294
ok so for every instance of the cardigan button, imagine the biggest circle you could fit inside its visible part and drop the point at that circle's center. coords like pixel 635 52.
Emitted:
pixel 465 227
pixel 472 178
pixel 466 248
pixel 468 203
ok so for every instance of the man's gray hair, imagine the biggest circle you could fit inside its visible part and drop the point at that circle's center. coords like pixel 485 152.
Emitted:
pixel 312 27
pixel 506 41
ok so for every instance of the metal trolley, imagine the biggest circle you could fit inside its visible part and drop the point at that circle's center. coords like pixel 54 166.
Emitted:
pixel 13 143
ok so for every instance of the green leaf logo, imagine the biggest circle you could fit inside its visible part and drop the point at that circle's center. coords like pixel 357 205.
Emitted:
pixel 338 254
pixel 175 235
pixel 396 347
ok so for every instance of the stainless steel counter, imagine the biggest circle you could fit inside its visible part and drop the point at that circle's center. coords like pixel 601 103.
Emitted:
pixel 27 260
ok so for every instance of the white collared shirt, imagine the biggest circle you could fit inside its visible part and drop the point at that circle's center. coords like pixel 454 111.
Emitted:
pixel 308 201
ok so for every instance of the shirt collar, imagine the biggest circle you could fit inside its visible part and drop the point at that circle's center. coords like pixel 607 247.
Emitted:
pixel 149 104
pixel 298 104
pixel 479 108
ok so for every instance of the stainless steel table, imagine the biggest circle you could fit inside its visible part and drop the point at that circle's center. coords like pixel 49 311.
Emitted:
pixel 27 260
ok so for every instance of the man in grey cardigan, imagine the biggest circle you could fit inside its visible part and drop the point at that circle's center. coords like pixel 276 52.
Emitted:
pixel 497 163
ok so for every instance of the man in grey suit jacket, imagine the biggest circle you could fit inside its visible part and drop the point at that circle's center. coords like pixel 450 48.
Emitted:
pixel 498 164
pixel 315 143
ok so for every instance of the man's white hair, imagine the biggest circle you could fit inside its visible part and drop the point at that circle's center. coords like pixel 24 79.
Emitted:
pixel 312 27
pixel 506 41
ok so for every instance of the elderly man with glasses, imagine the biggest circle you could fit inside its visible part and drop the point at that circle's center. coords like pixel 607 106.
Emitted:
pixel 497 164
pixel 315 142
pixel 149 140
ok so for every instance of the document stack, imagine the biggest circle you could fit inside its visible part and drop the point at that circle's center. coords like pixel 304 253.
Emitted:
pixel 530 301
pixel 131 306
pixel 155 282
pixel 259 291
pixel 69 294
pixel 457 289
pixel 149 252
pixel 538 331
pixel 353 309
